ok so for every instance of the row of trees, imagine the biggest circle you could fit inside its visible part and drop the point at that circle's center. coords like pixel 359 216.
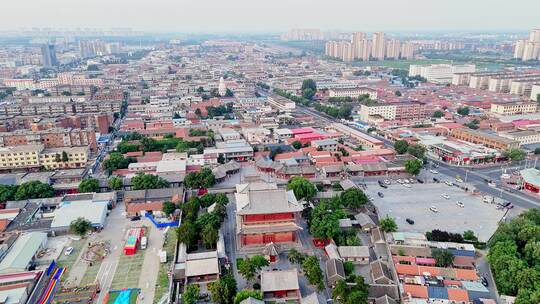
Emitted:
pixel 402 147
pixel 27 190
pixel 343 111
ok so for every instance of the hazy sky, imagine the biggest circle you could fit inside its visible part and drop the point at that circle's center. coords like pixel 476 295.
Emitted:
pixel 273 15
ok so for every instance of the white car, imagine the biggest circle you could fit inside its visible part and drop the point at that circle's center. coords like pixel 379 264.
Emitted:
pixel 434 171
pixel 449 183
pixel 460 204
pixel 446 196
pixel 406 181
pixel 400 181
pixel 406 185
pixel 433 209
pixel 387 182
pixel 68 251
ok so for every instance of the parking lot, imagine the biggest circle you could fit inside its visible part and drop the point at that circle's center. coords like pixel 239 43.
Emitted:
pixel 414 202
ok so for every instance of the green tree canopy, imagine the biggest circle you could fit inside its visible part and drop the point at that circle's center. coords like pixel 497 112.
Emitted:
pixel 80 226
pixel 416 151
pixel 514 154
pixel 191 294
pixel 223 290
pixel 353 198
pixel 443 257
pixel 464 111
pixel 89 185
pixel 355 293
pixel 302 188
pixel 313 272
pixel 143 181
pixel 115 183
pixel 413 166
pixel 168 208
pixel 438 114
pixel 203 179
pixel 401 146
pixel 388 224
pixel 297 144
pixel 33 189
pixel 324 219
pixel 117 161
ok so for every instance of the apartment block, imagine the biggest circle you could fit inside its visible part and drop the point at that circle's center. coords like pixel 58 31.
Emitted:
pixel 51 138
pixel 487 139
pixel 513 108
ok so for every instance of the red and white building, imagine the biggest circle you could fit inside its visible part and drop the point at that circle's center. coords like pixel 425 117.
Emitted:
pixel 266 214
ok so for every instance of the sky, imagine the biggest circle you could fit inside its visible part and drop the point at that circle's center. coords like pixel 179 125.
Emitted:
pixel 274 15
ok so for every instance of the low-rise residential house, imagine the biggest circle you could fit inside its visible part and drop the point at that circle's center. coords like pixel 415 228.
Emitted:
pixel 334 271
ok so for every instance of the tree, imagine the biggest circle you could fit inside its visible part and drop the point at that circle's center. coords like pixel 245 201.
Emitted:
pixel 80 226
pixel 538 97
pixel 7 192
pixel 65 157
pixel 295 256
pixel 353 198
pixel 57 158
pixel 313 272
pixel 89 185
pixel 246 293
pixel 223 290
pixel 117 161
pixel 229 93
pixel 398 93
pixel 209 236
pixel 416 151
pixel 187 233
pixel 168 208
pixel 203 179
pixel 259 262
pixel 324 219
pixel 309 84
pixel 443 257
pixel 198 112
pixel 401 146
pixel 246 269
pixel 348 267
pixel 413 166
pixel 221 158
pixel 355 292
pixel 463 111
pixel 115 183
pixel 297 144
pixel 469 236
pixel 143 181
pixel 33 189
pixel 438 114
pixel 191 295
pixel 302 188
pixel 388 224
pixel 514 154
pixel 308 93
pixel 537 151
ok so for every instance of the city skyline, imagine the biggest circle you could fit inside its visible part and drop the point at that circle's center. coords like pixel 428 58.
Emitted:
pixel 246 16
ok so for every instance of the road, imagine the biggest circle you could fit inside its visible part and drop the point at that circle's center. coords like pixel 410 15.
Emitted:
pixel 475 177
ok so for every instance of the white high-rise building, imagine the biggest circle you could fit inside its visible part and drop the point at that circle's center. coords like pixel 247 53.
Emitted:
pixel 528 49
pixel 407 50
pixel 378 46
pixel 393 48
pixel 222 87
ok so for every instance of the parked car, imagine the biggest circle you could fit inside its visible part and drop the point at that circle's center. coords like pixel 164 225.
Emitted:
pixel 508 205
pixel 485 282
pixel 460 204
pixel 383 186
pixel 434 209
pixel 446 196
pixel 434 171
pixel 380 194
pixel 68 251
pixel 436 180
pixel 449 183
pixel 420 181
pixel 387 182
pixel 409 221
pixel 135 218
pixel 406 185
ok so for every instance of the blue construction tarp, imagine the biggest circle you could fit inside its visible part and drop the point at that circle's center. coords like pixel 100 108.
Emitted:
pixel 435 292
pixel 458 252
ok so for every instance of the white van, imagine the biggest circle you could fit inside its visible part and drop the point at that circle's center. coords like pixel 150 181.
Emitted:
pixel 144 240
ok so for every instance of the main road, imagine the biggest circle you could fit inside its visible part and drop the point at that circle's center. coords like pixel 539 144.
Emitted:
pixel 475 177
